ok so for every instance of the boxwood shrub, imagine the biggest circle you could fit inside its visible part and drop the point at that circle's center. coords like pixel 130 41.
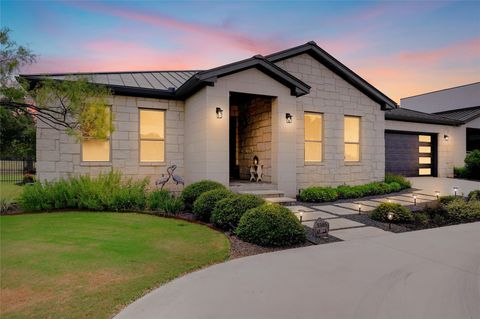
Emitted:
pixel 205 203
pixel 329 194
pixel 270 225
pixel 461 210
pixel 228 211
pixel 404 183
pixel 401 214
pixel 475 195
pixel 318 194
pixel 194 190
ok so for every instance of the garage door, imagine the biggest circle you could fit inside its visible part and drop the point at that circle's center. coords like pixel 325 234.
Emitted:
pixel 410 154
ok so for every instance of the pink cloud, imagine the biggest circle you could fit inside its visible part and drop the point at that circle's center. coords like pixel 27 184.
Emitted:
pixel 469 49
pixel 223 35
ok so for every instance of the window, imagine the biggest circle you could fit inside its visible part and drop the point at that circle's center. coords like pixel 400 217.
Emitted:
pixel 96 150
pixel 424 171
pixel 152 136
pixel 425 149
pixel 352 138
pixel 313 137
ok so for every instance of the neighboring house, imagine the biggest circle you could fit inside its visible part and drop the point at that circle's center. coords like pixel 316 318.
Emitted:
pixel 431 133
pixel 308 118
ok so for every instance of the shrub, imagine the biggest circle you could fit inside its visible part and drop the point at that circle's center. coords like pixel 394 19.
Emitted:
pixel 420 218
pixel 205 203
pixel 404 183
pixel 350 191
pixel 105 192
pixel 171 205
pixel 460 172
pixel 401 214
pixel 28 178
pixel 156 198
pixel 270 225
pixel 394 187
pixel 318 194
pixel 228 211
pixel 192 191
pixel 445 200
pixel 474 195
pixel 472 164
pixel 462 210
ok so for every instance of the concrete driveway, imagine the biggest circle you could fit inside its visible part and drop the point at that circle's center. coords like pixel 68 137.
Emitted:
pixel 424 274
pixel 445 186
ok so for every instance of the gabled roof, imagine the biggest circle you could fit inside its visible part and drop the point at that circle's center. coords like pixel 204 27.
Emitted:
pixel 465 115
pixel 407 115
pixel 209 77
pixel 336 66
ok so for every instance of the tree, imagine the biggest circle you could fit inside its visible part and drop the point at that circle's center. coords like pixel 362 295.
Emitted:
pixel 17 134
pixel 74 105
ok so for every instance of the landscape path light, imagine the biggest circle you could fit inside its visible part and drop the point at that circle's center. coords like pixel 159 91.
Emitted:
pixel 390 218
pixel 455 190
pixel 437 193
pixel 415 200
pixel 359 209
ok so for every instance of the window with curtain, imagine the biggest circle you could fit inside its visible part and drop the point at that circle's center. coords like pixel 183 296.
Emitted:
pixel 313 123
pixel 152 135
pixel 96 150
pixel 352 138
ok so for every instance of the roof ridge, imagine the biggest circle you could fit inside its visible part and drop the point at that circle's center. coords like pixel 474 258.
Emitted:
pixel 440 90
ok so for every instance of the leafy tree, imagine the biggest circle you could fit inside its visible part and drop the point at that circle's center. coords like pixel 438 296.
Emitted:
pixel 17 134
pixel 74 105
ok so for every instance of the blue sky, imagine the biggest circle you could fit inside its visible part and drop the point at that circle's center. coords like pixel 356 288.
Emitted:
pixel 403 48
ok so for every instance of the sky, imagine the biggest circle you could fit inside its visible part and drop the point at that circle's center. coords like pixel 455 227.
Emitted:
pixel 403 48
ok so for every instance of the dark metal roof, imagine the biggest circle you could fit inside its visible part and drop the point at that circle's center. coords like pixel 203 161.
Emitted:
pixel 339 68
pixel 407 115
pixel 146 84
pixel 465 115
pixel 209 77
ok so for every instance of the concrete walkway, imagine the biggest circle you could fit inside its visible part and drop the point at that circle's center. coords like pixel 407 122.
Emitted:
pixel 424 274
pixel 445 186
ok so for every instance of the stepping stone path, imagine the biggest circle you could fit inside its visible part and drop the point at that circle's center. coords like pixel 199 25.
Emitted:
pixel 347 229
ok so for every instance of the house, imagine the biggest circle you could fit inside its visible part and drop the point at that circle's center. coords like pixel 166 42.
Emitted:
pixel 432 132
pixel 302 114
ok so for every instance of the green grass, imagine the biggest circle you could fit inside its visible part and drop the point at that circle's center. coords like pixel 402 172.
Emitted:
pixel 10 192
pixel 90 265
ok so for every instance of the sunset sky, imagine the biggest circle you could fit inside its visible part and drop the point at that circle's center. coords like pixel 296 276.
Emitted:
pixel 402 48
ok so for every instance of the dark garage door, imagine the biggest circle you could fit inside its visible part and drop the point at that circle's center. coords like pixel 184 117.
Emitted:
pixel 410 154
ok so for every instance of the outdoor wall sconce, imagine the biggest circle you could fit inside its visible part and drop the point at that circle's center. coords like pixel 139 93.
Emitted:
pixel 219 112
pixel 445 137
pixel 288 117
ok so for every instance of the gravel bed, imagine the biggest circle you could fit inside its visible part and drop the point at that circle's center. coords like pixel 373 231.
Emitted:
pixel 239 248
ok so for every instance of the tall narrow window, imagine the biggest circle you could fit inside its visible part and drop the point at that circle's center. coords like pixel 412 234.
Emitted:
pixel 313 137
pixel 152 136
pixel 97 150
pixel 352 138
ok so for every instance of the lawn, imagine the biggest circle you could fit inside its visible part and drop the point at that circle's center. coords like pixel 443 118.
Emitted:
pixel 9 192
pixel 90 265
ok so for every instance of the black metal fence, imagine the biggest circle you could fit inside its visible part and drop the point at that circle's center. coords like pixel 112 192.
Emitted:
pixel 13 170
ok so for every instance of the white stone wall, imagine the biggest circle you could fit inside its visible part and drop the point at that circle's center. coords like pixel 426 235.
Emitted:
pixel 59 155
pixel 334 97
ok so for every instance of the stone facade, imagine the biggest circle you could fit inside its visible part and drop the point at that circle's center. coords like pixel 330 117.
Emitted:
pixel 197 142
pixel 334 98
pixel 59 155
pixel 254 135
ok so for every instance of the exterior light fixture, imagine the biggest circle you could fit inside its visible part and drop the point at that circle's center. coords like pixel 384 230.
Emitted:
pixel 390 201
pixel 359 209
pixel 415 200
pixel 301 217
pixel 445 137
pixel 455 190
pixel 219 112
pixel 437 193
pixel 390 218
pixel 288 117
